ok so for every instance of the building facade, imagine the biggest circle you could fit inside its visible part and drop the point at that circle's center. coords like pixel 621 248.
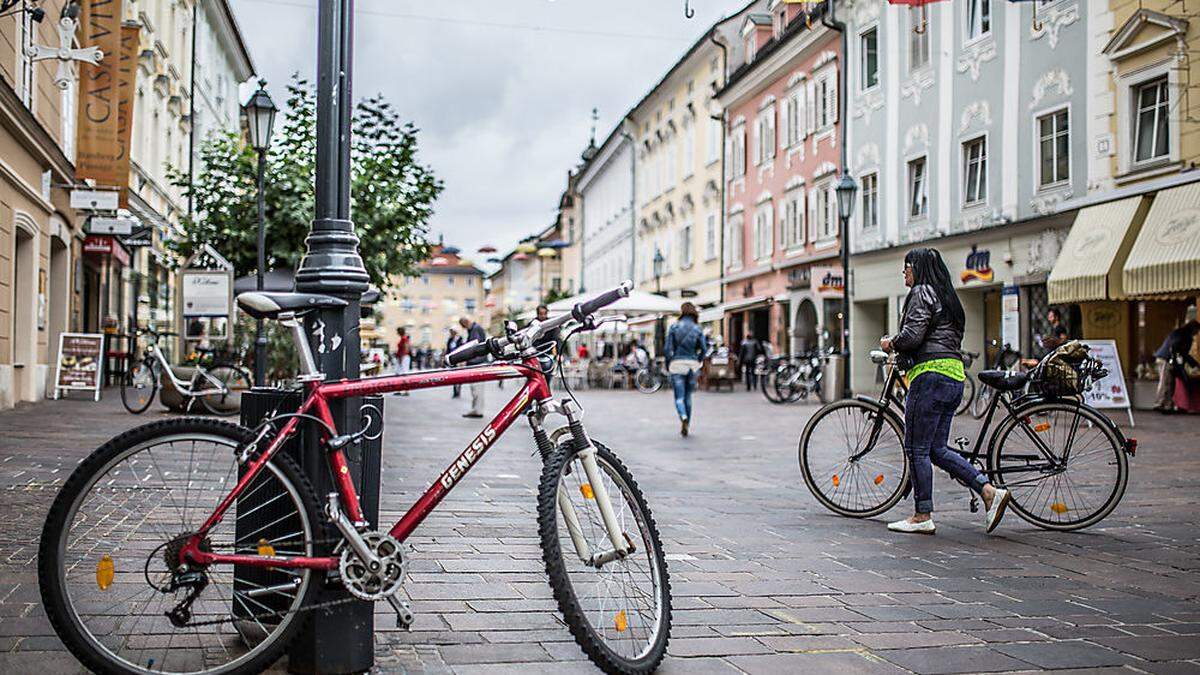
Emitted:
pixel 782 278
pixel 41 239
pixel 427 306
pixel 606 196
pixel 679 144
pixel 968 130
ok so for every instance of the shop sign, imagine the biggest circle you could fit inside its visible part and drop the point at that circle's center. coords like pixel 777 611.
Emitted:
pixel 978 267
pixel 80 363
pixel 96 139
pixel 140 237
pixel 205 293
pixel 98 225
pixel 105 245
pixel 827 282
pixel 95 200
pixel 1010 317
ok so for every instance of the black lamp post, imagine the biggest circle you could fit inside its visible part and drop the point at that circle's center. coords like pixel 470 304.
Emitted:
pixel 658 265
pixel 260 119
pixel 846 189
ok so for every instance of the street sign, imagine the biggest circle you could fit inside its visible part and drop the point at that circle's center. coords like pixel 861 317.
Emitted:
pixel 206 293
pixel 95 200
pixel 140 237
pixel 80 363
pixel 103 225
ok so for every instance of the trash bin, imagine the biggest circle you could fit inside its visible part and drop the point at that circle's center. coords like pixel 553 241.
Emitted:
pixel 832 377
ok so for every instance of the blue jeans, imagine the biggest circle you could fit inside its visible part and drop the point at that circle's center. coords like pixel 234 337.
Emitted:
pixel 684 385
pixel 928 410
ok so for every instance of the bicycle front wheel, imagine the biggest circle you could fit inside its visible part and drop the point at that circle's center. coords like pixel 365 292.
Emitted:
pixel 647 381
pixel 1063 464
pixel 618 611
pixel 108 564
pixel 234 380
pixel 139 387
pixel 968 395
pixel 852 458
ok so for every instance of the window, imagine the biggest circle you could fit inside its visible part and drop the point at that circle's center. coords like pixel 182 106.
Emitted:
pixel 426 304
pixel 869 52
pixel 710 237
pixel 765 131
pixel 685 246
pixel 794 120
pixel 406 303
pixel 825 101
pixel 689 149
pixel 918 43
pixel 793 220
pixel 1054 146
pixel 823 221
pixel 979 18
pixel 764 231
pixel 470 282
pixel 449 281
pixel 918 189
pixel 28 69
pixel 714 141
pixel 1151 140
pixel 870 201
pixel 737 152
pixel 975 171
pixel 469 305
pixel 733 241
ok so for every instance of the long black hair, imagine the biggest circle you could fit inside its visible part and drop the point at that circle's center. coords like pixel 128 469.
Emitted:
pixel 929 269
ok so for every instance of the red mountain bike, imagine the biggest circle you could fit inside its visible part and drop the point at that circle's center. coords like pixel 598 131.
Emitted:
pixel 143 569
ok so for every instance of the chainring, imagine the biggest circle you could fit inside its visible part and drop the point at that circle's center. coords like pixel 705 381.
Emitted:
pixel 360 581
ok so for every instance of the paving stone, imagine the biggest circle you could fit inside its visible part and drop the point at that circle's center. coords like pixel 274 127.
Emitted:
pixel 843 663
pixel 1163 648
pixel 1067 654
pixel 937 660
pixel 906 640
pixel 717 646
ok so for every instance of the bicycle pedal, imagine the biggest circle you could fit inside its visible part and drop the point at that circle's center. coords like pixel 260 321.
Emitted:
pixel 404 615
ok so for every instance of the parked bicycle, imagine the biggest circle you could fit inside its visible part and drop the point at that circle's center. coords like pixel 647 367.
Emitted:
pixel 146 557
pixel 216 387
pixel 651 377
pixel 1064 463
pixel 791 379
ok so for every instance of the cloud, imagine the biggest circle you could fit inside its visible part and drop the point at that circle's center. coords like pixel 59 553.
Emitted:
pixel 501 91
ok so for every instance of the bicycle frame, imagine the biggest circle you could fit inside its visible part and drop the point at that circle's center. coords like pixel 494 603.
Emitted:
pixel 316 404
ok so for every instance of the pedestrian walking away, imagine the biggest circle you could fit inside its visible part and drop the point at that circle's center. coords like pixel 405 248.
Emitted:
pixel 454 341
pixel 929 344
pixel 684 350
pixel 475 333
pixel 403 354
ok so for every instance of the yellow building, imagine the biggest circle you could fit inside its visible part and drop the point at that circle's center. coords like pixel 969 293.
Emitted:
pixel 678 179
pixel 428 305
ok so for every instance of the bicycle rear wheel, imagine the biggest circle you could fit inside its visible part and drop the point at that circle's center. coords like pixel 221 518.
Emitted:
pixel 235 379
pixel 983 398
pixel 139 387
pixel 852 458
pixel 1047 491
pixel 106 570
pixel 619 612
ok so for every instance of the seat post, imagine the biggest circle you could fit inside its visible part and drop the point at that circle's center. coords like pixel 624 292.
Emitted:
pixel 308 366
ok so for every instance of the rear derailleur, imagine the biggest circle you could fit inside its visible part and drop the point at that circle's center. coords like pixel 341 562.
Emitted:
pixel 195 583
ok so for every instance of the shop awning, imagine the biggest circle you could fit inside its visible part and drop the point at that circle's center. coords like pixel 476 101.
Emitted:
pixel 1089 265
pixel 1165 259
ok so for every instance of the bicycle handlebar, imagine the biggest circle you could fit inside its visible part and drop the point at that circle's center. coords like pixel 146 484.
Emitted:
pixel 469 352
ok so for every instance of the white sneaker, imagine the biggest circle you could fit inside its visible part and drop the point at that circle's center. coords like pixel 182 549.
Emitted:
pixel 907 526
pixel 999 505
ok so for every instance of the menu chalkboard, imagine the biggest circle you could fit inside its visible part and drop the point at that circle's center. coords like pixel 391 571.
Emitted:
pixel 80 363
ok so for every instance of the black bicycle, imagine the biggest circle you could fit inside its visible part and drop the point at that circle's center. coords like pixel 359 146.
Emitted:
pixel 1007 359
pixel 1064 462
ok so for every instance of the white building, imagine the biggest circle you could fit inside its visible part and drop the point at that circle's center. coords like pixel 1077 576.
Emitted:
pixel 606 190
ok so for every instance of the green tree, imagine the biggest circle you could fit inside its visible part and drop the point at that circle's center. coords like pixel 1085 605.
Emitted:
pixel 392 194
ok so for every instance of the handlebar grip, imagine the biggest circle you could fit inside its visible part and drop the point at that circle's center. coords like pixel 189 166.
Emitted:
pixel 580 312
pixel 469 352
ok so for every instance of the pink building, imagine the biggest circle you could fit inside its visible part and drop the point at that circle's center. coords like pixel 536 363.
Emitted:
pixel 782 273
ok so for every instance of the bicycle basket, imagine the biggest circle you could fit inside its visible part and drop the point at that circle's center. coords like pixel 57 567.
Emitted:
pixel 1061 373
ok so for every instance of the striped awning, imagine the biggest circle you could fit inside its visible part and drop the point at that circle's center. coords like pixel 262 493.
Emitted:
pixel 1165 259
pixel 1089 266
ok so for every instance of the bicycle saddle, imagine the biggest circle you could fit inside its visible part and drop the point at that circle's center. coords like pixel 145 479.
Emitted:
pixel 268 304
pixel 1003 380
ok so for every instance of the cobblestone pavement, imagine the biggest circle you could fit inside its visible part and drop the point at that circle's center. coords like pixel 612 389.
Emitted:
pixel 764 579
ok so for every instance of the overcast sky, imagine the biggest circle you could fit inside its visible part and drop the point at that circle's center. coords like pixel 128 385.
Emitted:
pixel 501 90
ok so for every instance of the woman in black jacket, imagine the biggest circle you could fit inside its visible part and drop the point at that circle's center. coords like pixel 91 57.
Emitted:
pixel 930 346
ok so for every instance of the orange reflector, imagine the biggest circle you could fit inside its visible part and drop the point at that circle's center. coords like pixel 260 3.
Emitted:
pixel 586 489
pixel 104 572
pixel 620 622
pixel 836 481
pixel 265 547
pixel 1044 426
pixel 879 479
pixel 1058 507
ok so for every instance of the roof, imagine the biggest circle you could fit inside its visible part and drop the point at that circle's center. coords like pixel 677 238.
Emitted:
pixel 794 28
pixel 226 13
pixel 443 261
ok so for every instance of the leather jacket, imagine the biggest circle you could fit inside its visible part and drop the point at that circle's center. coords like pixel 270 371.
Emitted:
pixel 926 332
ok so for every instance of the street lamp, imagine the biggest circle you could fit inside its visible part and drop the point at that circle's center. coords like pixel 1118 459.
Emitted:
pixel 846 189
pixel 658 266
pixel 260 118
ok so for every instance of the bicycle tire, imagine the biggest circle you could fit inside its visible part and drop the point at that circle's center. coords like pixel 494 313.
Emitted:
pixel 771 387
pixel 968 395
pixel 133 401
pixel 222 404
pixel 58 523
pixel 1032 410
pixel 983 398
pixel 568 601
pixel 646 381
pixel 867 409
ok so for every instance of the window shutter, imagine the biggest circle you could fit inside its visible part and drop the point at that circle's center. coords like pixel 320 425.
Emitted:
pixel 784 123
pixel 810 93
pixel 729 158
pixel 831 92
pixel 812 215
pixel 831 223
pixel 771 132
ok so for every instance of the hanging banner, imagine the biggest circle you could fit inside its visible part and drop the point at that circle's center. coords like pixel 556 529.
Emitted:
pixel 126 78
pixel 96 137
